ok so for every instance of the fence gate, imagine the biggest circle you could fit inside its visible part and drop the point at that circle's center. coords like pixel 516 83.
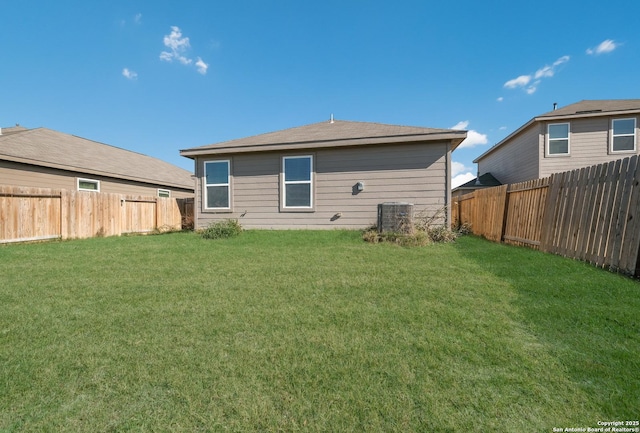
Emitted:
pixel 29 214
pixel 138 215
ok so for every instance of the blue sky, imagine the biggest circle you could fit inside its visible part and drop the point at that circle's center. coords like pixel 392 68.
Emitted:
pixel 159 76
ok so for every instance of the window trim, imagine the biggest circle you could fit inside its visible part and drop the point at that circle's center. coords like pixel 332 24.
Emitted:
pixel 205 195
pixel 613 136
pixel 549 140
pixel 284 183
pixel 167 193
pixel 84 179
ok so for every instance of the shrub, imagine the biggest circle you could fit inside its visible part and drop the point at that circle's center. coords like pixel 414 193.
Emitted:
pixel 222 229
pixel 424 230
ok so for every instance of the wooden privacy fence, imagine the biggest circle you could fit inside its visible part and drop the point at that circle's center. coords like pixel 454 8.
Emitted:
pixel 590 214
pixel 29 214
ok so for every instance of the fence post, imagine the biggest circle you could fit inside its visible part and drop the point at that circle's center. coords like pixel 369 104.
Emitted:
pixel 505 213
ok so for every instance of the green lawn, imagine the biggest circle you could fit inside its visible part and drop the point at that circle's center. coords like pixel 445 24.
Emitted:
pixel 311 331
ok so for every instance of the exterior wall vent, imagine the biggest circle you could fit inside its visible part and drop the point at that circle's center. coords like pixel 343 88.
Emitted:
pixel 395 217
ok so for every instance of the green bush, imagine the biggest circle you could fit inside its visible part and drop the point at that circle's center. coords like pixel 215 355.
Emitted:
pixel 228 228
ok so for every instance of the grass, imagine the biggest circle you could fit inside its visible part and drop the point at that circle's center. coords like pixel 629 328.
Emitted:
pixel 311 331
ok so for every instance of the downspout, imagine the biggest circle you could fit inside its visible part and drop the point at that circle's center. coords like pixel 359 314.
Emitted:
pixel 197 193
pixel 447 195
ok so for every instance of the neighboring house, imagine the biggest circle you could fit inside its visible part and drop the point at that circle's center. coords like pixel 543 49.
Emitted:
pixel 324 175
pixel 578 135
pixel 484 181
pixel 50 159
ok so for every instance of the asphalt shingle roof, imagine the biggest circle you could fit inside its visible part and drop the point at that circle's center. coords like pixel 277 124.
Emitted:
pixel 486 180
pixel 330 134
pixel 45 147
pixel 595 107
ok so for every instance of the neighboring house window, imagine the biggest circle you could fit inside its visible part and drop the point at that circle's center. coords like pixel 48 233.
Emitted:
pixel 88 185
pixel 164 193
pixel 217 184
pixel 623 138
pixel 297 175
pixel 558 141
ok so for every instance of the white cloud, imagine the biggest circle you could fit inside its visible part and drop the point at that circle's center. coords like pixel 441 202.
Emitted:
pixel 457 168
pixel 178 46
pixel 202 66
pixel 461 125
pixel 524 81
pixel 521 81
pixel 547 71
pixel 604 47
pixel 137 19
pixel 131 75
pixel 474 138
pixel 460 174
pixel 532 88
pixel 500 99
pixel 462 179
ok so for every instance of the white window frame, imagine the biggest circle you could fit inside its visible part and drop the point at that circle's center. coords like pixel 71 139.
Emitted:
pixel 82 179
pixel 549 140
pixel 206 185
pixel 164 193
pixel 309 182
pixel 614 135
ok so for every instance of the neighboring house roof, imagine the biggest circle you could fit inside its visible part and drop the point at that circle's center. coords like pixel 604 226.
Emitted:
pixel 12 130
pixel 48 148
pixel 582 109
pixel 335 133
pixel 484 181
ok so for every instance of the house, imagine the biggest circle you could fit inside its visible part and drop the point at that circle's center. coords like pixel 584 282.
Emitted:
pixel 45 158
pixel 579 135
pixel 484 181
pixel 331 174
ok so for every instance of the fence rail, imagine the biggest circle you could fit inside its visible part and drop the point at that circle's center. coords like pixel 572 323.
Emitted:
pixel 591 214
pixel 30 214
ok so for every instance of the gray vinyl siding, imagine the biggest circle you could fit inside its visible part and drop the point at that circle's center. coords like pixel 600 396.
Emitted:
pixel 414 173
pixel 589 140
pixel 524 157
pixel 516 161
pixel 18 174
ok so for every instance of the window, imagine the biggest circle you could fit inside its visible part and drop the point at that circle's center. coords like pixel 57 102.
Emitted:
pixel 623 138
pixel 558 141
pixel 88 185
pixel 217 185
pixel 297 175
pixel 164 193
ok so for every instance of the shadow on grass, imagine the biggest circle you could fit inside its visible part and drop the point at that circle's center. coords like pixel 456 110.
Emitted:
pixel 586 318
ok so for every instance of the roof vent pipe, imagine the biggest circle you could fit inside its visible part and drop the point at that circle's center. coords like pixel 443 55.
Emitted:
pixel 555 106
